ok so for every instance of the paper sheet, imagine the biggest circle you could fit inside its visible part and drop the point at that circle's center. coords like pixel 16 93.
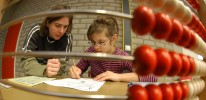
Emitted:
pixel 30 80
pixel 83 84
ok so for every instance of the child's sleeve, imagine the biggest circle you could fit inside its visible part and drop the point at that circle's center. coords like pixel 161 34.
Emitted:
pixel 83 65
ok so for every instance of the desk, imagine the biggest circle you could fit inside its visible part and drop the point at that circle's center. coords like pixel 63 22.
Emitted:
pixel 118 89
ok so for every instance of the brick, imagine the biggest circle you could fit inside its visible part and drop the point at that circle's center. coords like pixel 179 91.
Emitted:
pixel 90 4
pixel 144 37
pixel 77 4
pixel 137 40
pixel 109 8
pixel 75 20
pixel 115 5
pixel 83 31
pixel 78 37
pixel 95 7
pixel 111 1
pixel 82 43
pixel 79 26
pixel 87 21
pixel 83 7
pixel 169 47
pixel 102 4
pixel 75 31
pixel 159 44
pixel 72 1
pixel 96 1
pixel 77 49
pixel 84 1
pixel 148 42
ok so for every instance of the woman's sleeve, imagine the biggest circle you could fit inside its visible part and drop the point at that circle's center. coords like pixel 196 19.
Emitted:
pixel 69 45
pixel 31 66
pixel 31 41
pixel 70 39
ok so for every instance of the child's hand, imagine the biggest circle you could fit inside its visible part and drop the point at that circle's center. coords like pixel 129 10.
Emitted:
pixel 53 66
pixel 108 75
pixel 75 72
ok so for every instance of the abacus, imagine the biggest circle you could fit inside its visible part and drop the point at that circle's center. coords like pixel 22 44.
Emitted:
pixel 177 24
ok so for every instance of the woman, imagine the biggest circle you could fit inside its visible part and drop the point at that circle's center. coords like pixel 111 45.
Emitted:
pixel 54 34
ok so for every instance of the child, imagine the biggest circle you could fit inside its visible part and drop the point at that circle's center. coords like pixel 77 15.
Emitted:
pixel 103 34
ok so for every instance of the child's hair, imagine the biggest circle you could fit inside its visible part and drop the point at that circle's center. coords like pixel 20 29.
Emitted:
pixel 103 23
pixel 44 28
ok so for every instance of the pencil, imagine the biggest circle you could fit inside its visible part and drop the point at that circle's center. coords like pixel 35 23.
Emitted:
pixel 74 62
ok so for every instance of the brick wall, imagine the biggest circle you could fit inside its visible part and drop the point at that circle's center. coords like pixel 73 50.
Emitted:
pixel 80 23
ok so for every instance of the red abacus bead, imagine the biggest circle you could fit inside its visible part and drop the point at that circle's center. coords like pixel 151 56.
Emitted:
pixel 176 64
pixel 176 33
pixel 137 92
pixel 167 91
pixel 189 1
pixel 201 28
pixel 192 66
pixel 177 91
pixel 145 60
pixel 194 22
pixel 143 20
pixel 154 92
pixel 197 27
pixel 192 42
pixel 185 90
pixel 185 66
pixel 163 26
pixel 185 39
pixel 164 62
pixel 197 5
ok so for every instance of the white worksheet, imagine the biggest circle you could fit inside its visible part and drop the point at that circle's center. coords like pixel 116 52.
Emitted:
pixel 84 84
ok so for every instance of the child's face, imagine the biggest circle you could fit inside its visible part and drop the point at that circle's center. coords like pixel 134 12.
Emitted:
pixel 102 43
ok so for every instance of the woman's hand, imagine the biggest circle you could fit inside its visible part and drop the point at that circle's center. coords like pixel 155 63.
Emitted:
pixel 53 66
pixel 75 72
pixel 108 75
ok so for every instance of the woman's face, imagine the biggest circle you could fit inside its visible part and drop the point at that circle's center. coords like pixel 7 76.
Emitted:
pixel 58 28
pixel 102 43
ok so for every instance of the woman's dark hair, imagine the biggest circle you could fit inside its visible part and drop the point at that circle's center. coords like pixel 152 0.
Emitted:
pixel 101 24
pixel 44 29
